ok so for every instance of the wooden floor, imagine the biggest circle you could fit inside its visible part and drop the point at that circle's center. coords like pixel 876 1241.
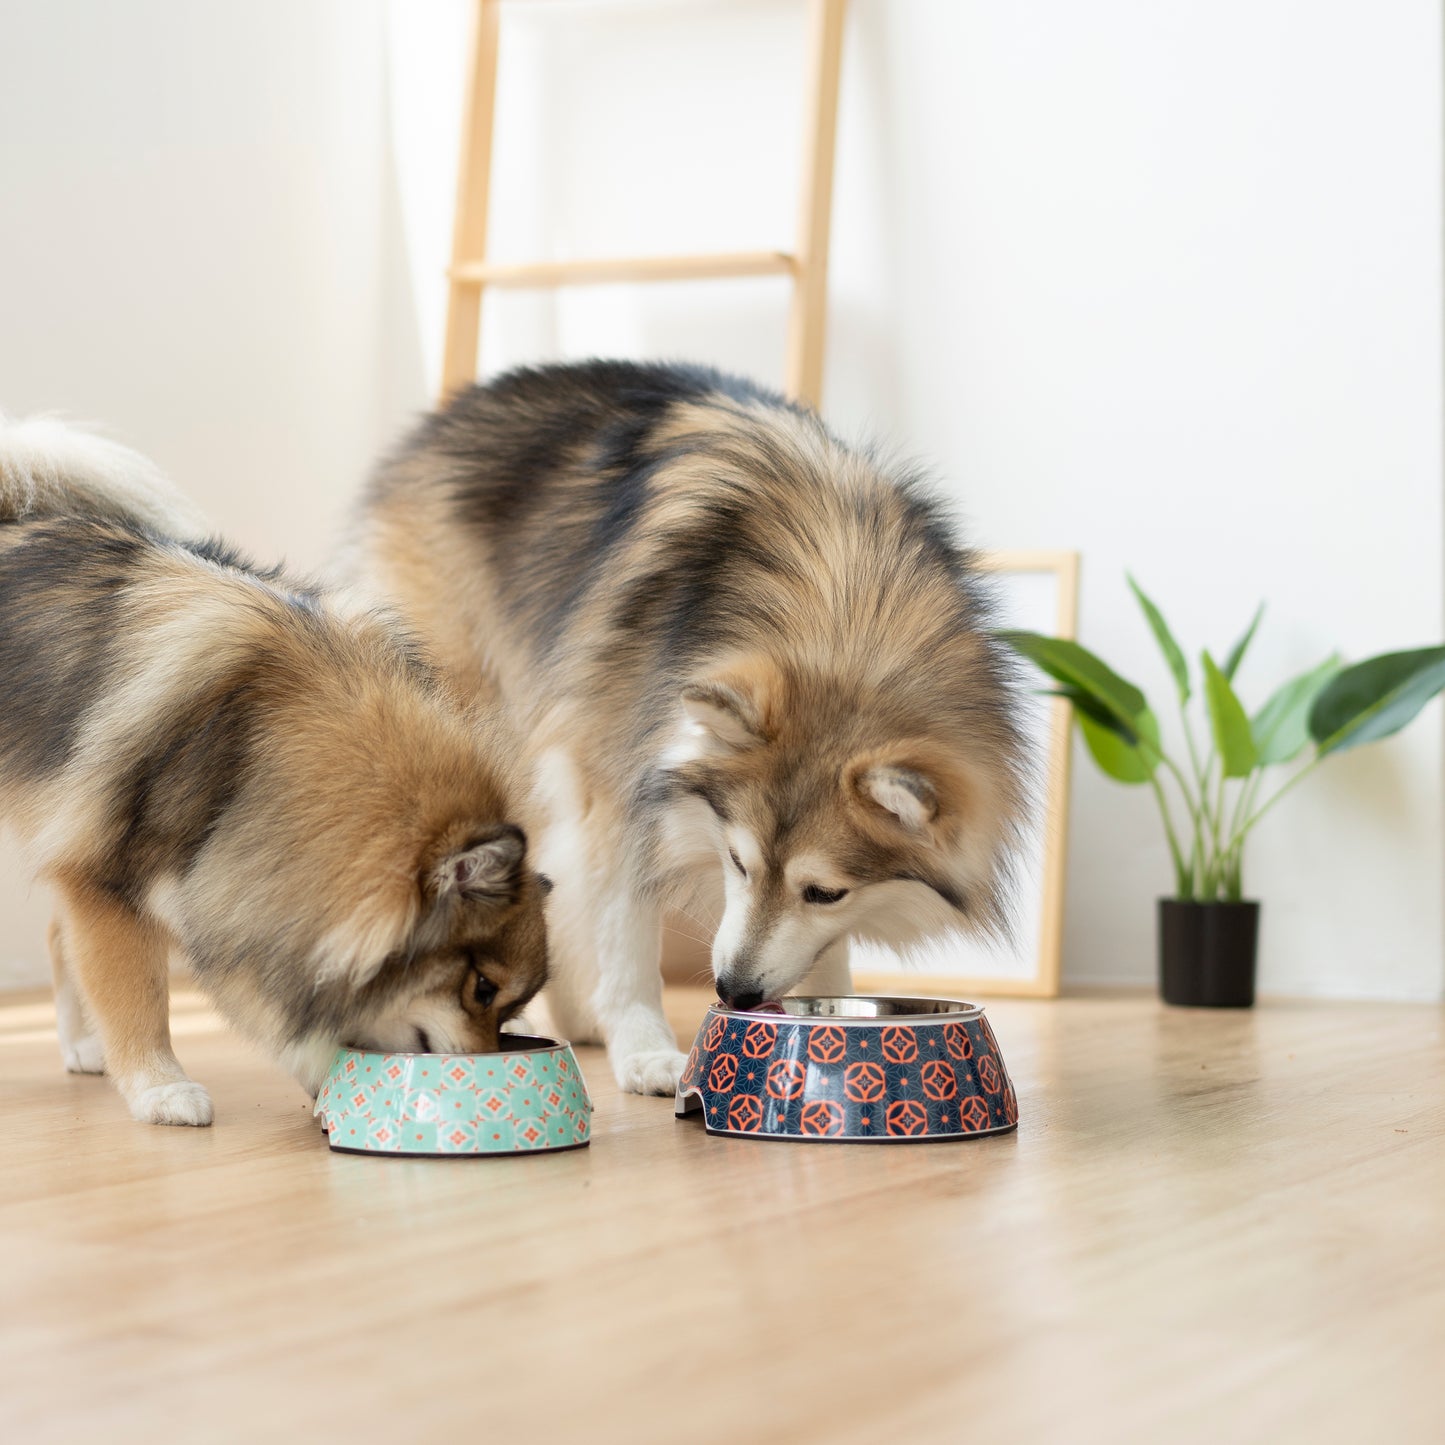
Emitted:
pixel 1209 1227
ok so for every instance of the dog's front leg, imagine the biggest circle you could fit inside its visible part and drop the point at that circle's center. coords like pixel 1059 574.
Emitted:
pixel 627 1000
pixel 604 940
pixel 605 983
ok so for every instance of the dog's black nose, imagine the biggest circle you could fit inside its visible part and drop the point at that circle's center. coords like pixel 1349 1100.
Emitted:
pixel 743 1000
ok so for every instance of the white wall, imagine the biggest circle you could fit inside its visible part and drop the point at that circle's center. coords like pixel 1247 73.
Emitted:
pixel 1176 302
pixel 1161 283
pixel 200 247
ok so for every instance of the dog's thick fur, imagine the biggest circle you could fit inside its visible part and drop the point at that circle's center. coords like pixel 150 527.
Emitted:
pixel 739 651
pixel 209 760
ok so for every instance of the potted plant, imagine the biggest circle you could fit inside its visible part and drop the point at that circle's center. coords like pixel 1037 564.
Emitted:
pixel 1208 931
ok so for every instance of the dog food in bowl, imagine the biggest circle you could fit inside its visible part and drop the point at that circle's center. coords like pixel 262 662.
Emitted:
pixel 861 1070
pixel 528 1098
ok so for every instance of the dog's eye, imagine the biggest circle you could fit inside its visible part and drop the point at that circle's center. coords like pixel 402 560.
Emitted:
pixel 813 894
pixel 737 862
pixel 485 991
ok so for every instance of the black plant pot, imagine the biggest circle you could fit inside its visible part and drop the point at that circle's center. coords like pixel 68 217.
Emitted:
pixel 1207 953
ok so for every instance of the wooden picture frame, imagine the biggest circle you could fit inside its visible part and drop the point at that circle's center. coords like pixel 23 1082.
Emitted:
pixel 1041 891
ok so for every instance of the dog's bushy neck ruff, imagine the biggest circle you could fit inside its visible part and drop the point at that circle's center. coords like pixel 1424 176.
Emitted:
pixel 837 661
pixel 371 855
pixel 834 768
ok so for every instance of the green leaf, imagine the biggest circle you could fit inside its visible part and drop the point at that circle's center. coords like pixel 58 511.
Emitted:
pixel 1086 705
pixel 1077 667
pixel 1236 653
pixel 1281 727
pixel 1122 760
pixel 1375 698
pixel 1167 645
pixel 1232 738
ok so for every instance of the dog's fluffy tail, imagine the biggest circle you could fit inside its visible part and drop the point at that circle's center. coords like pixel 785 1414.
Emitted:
pixel 49 469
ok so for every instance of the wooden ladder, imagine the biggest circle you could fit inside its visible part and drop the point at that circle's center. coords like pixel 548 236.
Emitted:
pixel 471 272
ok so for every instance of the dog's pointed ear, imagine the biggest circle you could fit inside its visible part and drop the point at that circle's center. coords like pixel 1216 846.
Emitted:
pixel 732 708
pixel 723 713
pixel 484 868
pixel 912 786
pixel 904 792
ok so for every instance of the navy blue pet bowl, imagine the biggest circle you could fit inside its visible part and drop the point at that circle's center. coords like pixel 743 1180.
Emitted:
pixel 860 1070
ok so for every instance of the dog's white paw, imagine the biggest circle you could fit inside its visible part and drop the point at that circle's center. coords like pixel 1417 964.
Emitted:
pixel 180 1103
pixel 653 1071
pixel 84 1056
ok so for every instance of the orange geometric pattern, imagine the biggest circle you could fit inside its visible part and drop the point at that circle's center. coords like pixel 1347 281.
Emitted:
pixel 850 1079
pixel 821 1116
pixel 973 1116
pixel 863 1082
pixel 827 1045
pixel 899 1045
pixel 745 1114
pixel 785 1078
pixel 957 1041
pixel 759 1039
pixel 988 1037
pixel 939 1080
pixel 907 1116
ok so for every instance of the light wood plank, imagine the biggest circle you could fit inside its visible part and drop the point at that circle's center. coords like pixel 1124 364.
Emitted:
pixel 605 270
pixel 808 316
pixel 474 183
pixel 1210 1226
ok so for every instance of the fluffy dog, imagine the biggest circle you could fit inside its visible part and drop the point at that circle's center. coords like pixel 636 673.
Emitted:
pixel 745 657
pixel 209 760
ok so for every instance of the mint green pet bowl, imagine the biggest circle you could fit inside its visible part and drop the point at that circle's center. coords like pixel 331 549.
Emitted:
pixel 528 1098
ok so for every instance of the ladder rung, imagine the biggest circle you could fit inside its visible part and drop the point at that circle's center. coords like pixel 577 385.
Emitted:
pixel 646 268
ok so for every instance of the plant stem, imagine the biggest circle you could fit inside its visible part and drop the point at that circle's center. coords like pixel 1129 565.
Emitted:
pixel 1210 846
pixel 1197 853
pixel 1181 878
pixel 1188 874
pixel 1234 863
pixel 1183 874
pixel 1220 860
pixel 1193 748
pixel 1245 800
pixel 1239 836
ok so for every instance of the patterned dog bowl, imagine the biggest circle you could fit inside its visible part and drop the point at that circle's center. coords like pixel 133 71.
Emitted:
pixel 866 1070
pixel 529 1098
